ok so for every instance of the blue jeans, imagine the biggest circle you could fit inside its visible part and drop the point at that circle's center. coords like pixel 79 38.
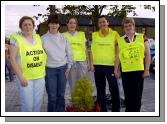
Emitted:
pixel 55 87
pixel 9 67
pixel 31 96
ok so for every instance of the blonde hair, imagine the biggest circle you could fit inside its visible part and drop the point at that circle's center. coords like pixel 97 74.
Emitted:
pixel 128 20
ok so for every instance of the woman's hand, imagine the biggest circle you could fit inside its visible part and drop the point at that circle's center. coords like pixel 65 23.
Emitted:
pixel 146 74
pixel 117 73
pixel 88 67
pixel 23 81
pixel 92 68
pixel 67 72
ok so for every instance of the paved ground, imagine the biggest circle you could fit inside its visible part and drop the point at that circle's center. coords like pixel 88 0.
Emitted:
pixel 12 99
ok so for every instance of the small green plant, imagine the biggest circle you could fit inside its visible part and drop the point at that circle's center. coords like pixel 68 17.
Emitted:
pixel 82 97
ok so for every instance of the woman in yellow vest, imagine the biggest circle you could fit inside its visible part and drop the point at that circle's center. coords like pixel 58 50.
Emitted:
pixel 102 61
pixel 134 57
pixel 28 60
pixel 77 42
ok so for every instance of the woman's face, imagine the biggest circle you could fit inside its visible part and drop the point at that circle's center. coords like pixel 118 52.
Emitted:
pixel 129 28
pixel 27 27
pixel 72 25
pixel 103 23
pixel 54 27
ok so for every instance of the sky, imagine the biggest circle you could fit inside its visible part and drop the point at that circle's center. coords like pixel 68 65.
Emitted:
pixel 14 12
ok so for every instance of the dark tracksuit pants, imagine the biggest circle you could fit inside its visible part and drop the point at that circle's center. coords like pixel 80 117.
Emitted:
pixel 101 74
pixel 133 88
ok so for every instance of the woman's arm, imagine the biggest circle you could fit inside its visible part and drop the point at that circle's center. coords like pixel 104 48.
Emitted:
pixel 17 70
pixel 90 57
pixel 117 71
pixel 69 58
pixel 88 50
pixel 69 54
pixel 146 60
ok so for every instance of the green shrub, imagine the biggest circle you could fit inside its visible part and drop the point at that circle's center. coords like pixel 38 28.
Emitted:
pixel 82 97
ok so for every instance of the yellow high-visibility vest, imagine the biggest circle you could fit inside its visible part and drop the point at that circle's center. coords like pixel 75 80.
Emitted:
pixel 78 46
pixel 32 57
pixel 131 55
pixel 103 48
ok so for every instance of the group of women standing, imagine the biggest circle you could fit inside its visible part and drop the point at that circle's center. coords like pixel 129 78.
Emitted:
pixel 57 57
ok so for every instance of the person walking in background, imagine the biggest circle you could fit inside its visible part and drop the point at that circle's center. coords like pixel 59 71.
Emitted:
pixel 77 42
pixel 102 61
pixel 8 67
pixel 28 60
pixel 134 58
pixel 58 66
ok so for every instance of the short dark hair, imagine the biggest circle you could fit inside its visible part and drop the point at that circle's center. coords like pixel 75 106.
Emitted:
pixel 25 18
pixel 103 16
pixel 53 18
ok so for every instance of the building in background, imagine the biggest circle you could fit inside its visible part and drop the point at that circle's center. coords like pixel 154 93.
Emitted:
pixel 143 25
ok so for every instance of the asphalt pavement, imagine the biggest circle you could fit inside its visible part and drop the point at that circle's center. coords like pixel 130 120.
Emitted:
pixel 148 100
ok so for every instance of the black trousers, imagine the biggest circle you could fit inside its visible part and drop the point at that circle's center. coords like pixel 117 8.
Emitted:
pixel 101 74
pixel 133 88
